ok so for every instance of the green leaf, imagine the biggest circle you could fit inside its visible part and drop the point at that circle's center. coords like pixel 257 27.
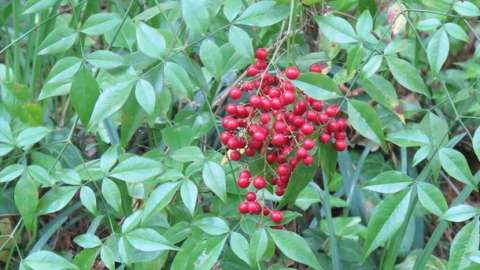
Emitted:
pixel 159 199
pixel 112 194
pixel 195 14
pixel 231 9
pixel 150 41
pixel 31 136
pixel 145 95
pixel 107 257
pixel 11 172
pixel 177 136
pixel 372 65
pixel 212 58
pixel 455 164
pixel 408 138
pixel 428 24
pixel 336 29
pixel 39 5
pixel 307 197
pixel 317 86
pixel 213 225
pixel 365 121
pixel 389 182
pixel 109 158
pixel 40 175
pixel 241 41
pixel 6 135
pixel 476 143
pixel 437 49
pixel 56 199
pixel 258 244
pixel 460 213
pixel 84 94
pixel 187 154
pixel 88 240
pixel 214 179
pixel 101 23
pixel 240 247
pixel 60 78
pixel 110 101
pixel 26 188
pixel 58 41
pixel 105 59
pixel 431 198
pixel 189 193
pixel 364 25
pixel 466 8
pixel 148 240
pixel 456 32
pixel 386 220
pixel 407 75
pixel 43 259
pixel 178 80
pixel 294 247
pixel 381 90
pixel 136 169
pixel 465 241
pixel 88 199
pixel 263 13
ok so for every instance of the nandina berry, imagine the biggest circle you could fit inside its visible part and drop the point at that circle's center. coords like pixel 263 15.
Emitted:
pixel 318 68
pixel 342 124
pixel 332 110
pixel 276 216
pixel 260 64
pixel 251 71
pixel 245 174
pixel 248 86
pixel 324 138
pixel 340 135
pixel 261 54
pixel 280 191
pixel 292 72
pixel 254 207
pixel 317 105
pixel 340 145
pixel 235 93
pixel 322 118
pixel 251 196
pixel 280 127
pixel 255 101
pixel 278 139
pixel 283 169
pixel 307 129
pixel 308 160
pixel 259 136
pixel 243 182
pixel 308 144
pixel 271 157
pixel 311 116
pixel 289 97
pixel 302 152
pixel 243 208
pixel 259 182
pixel 332 127
pixel 235 155
pixel 265 118
pixel 265 211
pixel 225 136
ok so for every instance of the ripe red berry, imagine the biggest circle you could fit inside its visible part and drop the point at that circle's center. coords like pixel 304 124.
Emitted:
pixel 261 54
pixel 276 216
pixel 251 196
pixel 302 152
pixel 254 208
pixel 265 211
pixel 308 160
pixel 259 182
pixel 251 71
pixel 324 138
pixel 292 72
pixel 322 118
pixel 265 118
pixel 243 182
pixel 243 208
pixel 260 64
pixel 278 139
pixel 235 155
pixel 280 191
pixel 307 129
pixel 332 110
pixel 340 135
pixel 340 145
pixel 317 67
pixel 308 144
pixel 235 93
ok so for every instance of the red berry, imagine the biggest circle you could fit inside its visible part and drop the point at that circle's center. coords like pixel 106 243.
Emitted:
pixel 276 216
pixel 254 207
pixel 243 182
pixel 342 124
pixel 245 174
pixel 260 64
pixel 308 144
pixel 235 93
pixel 231 109
pixel 322 118
pixel 251 196
pixel 225 136
pixel 289 97
pixel 332 127
pixel 302 152
pixel 317 67
pixel 261 54
pixel 235 155
pixel 243 208
pixel 292 72
pixel 332 110
pixel 308 160
pixel 248 86
pixel 307 129
pixel 280 191
pixel 278 139
pixel 251 71
pixel 259 136
pixel 265 211
pixel 259 182
pixel 340 135
pixel 271 158
pixel 324 138
pixel 255 101
pixel 340 145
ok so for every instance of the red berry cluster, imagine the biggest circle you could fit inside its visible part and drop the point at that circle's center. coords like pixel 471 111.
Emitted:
pixel 279 123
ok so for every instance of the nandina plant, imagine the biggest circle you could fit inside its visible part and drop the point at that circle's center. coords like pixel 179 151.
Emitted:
pixel 239 134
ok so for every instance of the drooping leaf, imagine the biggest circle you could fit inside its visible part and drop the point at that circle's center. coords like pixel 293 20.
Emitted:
pixel 389 182
pixel 455 164
pixel 431 198
pixel 365 121
pixel 385 220
pixel 459 213
pixel 195 14
pixel 318 86
pixel 84 94
pixel 189 193
pixel 407 75
pixel 136 169
pixel 381 90
pixel 213 225
pixel 159 199
pixel 105 59
pixel 263 13
pixel 60 78
pixel 88 199
pixel 437 49
pixel 27 188
pixel 466 8
pixel 43 259
pixel 146 239
pixel 178 80
pixel 294 247
pixel 145 95
pixel 101 23
pixel 241 41
pixel 150 41
pixel 465 241
pixel 408 138
pixel 112 195
pixel 476 143
pixel 240 247
pixel 58 41
pixel 56 199
pixel 336 29
pixel 214 179
pixel 456 32
pixel 212 58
